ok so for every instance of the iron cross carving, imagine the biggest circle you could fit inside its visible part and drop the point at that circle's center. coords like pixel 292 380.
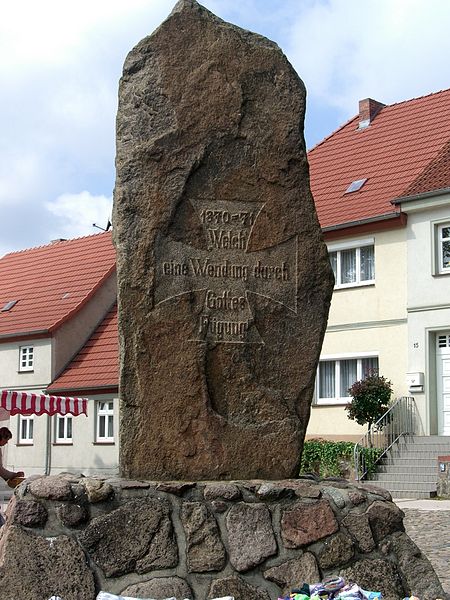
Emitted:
pixel 226 272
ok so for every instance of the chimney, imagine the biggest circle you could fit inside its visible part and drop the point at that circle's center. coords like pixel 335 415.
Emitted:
pixel 368 110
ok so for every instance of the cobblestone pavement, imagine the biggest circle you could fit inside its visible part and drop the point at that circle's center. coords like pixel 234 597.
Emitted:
pixel 430 530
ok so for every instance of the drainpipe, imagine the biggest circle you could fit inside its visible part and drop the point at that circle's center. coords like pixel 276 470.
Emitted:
pixel 48 446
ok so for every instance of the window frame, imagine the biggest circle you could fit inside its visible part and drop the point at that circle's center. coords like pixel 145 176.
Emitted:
pixel 28 352
pixel 338 358
pixel 108 415
pixel 65 439
pixel 438 247
pixel 355 245
pixel 29 420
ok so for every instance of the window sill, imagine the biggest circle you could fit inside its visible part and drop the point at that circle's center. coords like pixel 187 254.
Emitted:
pixel 352 286
pixel 332 402
pixel 25 443
pixel 61 443
pixel 105 443
pixel 441 273
pixel 25 371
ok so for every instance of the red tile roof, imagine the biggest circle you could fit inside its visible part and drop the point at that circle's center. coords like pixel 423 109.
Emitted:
pixel 435 176
pixel 403 151
pixel 97 363
pixel 51 283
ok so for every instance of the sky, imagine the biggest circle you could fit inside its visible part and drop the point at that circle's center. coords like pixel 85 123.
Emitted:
pixel 61 61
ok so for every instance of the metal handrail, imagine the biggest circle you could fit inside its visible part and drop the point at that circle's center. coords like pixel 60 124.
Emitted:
pixel 399 420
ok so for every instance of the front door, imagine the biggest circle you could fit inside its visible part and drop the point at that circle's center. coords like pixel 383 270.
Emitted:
pixel 443 381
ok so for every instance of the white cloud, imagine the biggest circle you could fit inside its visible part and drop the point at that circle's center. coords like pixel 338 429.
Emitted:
pixel 389 50
pixel 76 213
pixel 49 33
pixel 19 176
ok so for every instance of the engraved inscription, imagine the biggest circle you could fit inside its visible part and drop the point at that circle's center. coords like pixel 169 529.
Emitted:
pixel 226 272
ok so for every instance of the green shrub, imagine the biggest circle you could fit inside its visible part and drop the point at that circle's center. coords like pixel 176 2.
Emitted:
pixel 334 459
pixel 370 399
pixel 370 457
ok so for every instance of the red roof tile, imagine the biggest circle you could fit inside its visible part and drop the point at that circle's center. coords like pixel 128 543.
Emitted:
pixel 97 363
pixel 51 283
pixel 435 176
pixel 403 151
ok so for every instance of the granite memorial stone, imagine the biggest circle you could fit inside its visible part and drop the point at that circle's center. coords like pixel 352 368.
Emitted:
pixel 224 282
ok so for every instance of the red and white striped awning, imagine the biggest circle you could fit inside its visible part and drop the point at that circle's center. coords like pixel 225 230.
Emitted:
pixel 26 403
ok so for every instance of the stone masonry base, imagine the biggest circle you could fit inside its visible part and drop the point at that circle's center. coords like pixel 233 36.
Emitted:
pixel 73 536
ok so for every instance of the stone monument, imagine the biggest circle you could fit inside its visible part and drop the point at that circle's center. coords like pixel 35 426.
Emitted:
pixel 224 287
pixel 224 279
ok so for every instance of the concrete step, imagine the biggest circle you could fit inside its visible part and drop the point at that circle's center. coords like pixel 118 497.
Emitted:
pixel 405 476
pixel 412 456
pixel 428 439
pixel 410 468
pixel 429 466
pixel 402 486
pixel 415 494
pixel 421 448
pixel 406 466
pixel 398 492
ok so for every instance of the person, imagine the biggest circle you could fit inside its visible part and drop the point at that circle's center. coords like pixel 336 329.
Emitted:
pixel 5 436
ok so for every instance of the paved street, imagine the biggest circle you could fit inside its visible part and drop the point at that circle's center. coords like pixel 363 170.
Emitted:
pixel 427 522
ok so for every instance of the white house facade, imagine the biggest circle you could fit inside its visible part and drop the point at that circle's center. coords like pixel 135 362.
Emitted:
pixel 428 307
pixel 367 327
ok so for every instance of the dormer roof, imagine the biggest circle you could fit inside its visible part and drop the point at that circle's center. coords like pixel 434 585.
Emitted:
pixel 96 366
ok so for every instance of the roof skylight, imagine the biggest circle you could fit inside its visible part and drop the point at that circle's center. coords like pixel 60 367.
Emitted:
pixel 9 305
pixel 355 186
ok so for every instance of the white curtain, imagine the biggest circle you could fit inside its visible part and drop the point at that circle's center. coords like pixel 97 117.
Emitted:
pixel 327 379
pixel 369 366
pixel 367 257
pixel 348 375
pixel 348 266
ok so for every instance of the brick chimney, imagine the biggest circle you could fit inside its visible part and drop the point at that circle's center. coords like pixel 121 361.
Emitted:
pixel 368 110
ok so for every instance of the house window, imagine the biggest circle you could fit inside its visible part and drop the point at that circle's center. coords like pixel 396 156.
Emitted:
pixel 443 242
pixel 63 434
pixel 336 375
pixel 105 421
pixel 353 266
pixel 26 358
pixel 26 426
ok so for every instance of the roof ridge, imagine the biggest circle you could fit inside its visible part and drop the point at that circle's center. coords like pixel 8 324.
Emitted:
pixel 54 243
pixel 415 98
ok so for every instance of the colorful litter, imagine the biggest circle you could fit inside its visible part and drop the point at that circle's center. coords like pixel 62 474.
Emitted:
pixel 335 588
